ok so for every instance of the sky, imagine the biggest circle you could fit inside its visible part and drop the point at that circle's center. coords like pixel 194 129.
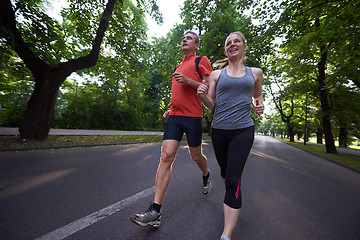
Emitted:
pixel 170 10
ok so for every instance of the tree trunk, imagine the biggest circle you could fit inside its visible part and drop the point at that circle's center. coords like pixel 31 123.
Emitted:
pixel 329 139
pixel 343 137
pixel 319 135
pixel 291 132
pixel 36 122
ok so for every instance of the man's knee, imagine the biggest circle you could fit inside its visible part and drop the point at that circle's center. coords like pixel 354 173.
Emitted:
pixel 197 155
pixel 167 156
pixel 168 151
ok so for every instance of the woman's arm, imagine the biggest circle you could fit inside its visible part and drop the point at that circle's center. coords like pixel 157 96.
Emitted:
pixel 257 94
pixel 207 93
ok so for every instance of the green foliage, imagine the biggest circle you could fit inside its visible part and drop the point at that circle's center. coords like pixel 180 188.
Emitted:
pixel 44 35
pixel 132 79
pixel 15 87
pixel 113 98
pixel 346 109
pixel 215 20
pixel 302 27
pixel 92 107
pixel 130 87
pixel 271 125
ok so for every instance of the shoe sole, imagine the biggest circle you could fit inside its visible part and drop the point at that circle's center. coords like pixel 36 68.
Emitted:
pixel 153 224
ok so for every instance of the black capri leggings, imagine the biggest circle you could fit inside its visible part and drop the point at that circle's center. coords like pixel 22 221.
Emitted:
pixel 232 148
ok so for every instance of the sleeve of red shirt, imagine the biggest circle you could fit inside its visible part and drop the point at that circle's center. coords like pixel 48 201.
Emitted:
pixel 205 66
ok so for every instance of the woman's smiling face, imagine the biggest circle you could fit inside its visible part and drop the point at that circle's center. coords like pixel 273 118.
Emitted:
pixel 234 45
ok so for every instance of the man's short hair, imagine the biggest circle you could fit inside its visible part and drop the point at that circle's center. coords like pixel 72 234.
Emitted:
pixel 197 39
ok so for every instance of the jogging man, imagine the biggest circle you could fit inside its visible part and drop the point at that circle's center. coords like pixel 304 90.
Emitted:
pixel 184 116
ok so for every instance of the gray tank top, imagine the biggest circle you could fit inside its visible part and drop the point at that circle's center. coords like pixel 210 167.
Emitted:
pixel 233 101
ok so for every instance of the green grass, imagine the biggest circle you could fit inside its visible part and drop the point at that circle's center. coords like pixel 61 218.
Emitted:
pixel 349 159
pixel 106 139
pixel 15 142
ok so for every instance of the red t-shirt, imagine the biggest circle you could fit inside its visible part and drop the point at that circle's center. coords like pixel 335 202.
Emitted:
pixel 184 99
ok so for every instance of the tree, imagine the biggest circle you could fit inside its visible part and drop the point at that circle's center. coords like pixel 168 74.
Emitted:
pixel 40 42
pixel 271 125
pixel 314 33
pixel 345 102
pixel 286 118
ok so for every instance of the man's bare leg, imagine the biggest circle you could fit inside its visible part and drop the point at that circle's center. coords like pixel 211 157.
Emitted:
pixel 152 216
pixel 167 158
pixel 201 160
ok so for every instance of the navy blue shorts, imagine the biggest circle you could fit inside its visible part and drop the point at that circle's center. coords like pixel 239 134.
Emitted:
pixel 176 126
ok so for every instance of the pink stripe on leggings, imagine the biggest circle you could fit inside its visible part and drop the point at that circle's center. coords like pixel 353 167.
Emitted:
pixel 238 189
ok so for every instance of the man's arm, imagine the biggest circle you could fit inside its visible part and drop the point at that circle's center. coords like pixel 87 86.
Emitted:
pixel 181 78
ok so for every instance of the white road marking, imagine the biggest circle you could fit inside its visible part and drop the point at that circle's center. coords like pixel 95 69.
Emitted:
pixel 84 222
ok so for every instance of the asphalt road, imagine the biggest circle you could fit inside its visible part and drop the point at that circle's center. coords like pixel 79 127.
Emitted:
pixel 90 193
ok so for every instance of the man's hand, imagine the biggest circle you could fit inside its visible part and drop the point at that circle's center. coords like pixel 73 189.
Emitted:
pixel 166 114
pixel 202 90
pixel 180 78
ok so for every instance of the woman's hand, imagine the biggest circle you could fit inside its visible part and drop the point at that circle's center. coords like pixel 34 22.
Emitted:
pixel 259 107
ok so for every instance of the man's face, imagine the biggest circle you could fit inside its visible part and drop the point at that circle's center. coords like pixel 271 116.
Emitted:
pixel 188 43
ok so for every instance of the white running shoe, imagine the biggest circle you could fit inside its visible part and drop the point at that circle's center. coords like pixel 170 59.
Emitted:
pixel 149 218
pixel 224 237
pixel 206 185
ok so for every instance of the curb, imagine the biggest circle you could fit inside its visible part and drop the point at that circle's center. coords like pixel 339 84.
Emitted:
pixel 75 146
pixel 326 158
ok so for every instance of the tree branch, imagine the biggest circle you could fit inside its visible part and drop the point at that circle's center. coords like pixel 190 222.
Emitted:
pixel 90 60
pixel 14 39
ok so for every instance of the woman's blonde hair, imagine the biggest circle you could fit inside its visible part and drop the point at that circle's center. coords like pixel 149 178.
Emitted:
pixel 224 62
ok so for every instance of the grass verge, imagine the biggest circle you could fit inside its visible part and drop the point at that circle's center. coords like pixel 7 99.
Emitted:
pixel 346 158
pixel 16 143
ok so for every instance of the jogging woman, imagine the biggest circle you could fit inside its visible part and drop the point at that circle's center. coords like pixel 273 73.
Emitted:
pixel 232 88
